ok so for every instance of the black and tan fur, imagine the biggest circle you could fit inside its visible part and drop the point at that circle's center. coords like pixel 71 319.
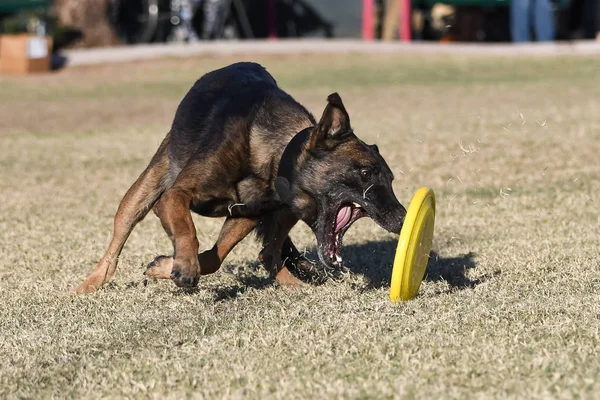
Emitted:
pixel 223 158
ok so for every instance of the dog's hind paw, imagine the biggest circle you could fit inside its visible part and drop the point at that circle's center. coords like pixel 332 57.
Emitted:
pixel 160 268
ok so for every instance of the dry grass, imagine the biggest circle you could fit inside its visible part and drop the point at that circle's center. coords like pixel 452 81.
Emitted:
pixel 511 309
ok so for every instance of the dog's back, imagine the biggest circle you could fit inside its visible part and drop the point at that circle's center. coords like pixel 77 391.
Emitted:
pixel 239 106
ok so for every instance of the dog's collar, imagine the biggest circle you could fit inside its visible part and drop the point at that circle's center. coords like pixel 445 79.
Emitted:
pixel 287 164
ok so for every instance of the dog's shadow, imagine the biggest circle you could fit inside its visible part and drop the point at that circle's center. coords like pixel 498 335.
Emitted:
pixel 373 260
pixel 248 277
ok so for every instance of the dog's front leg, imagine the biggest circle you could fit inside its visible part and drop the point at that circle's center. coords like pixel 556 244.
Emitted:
pixel 232 232
pixel 299 265
pixel 175 216
pixel 274 230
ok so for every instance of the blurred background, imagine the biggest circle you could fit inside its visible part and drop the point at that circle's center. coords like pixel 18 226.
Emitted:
pixel 95 23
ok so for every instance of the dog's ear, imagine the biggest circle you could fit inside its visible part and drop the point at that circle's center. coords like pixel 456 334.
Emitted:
pixel 334 123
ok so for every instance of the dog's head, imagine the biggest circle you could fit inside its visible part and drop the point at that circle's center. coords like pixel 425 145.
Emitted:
pixel 330 178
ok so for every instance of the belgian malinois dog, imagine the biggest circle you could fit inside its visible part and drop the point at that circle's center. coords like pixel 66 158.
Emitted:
pixel 241 148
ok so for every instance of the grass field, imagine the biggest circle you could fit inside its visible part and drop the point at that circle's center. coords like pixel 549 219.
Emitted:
pixel 509 309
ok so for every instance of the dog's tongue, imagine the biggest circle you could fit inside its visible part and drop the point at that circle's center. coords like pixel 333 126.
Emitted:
pixel 343 216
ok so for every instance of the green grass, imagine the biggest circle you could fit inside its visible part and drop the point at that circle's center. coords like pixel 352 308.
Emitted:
pixel 511 309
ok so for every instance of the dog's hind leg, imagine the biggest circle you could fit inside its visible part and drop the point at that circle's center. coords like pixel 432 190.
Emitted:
pixel 232 232
pixel 136 203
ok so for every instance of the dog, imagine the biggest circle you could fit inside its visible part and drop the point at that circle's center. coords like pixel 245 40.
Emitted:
pixel 241 148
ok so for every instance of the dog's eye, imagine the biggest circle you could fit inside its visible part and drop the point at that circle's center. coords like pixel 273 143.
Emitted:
pixel 365 174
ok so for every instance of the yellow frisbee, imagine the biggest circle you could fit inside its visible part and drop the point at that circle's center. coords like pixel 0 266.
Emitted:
pixel 414 246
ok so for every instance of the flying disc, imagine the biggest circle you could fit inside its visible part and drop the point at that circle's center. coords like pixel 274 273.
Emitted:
pixel 414 246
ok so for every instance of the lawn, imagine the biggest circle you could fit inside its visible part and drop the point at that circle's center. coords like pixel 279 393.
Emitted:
pixel 510 306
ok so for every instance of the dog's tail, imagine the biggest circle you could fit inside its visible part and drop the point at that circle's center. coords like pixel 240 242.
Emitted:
pixel 136 204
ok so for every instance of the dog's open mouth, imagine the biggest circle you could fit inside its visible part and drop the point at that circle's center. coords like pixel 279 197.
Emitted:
pixel 346 214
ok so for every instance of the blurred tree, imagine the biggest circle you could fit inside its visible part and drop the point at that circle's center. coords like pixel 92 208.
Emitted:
pixel 90 17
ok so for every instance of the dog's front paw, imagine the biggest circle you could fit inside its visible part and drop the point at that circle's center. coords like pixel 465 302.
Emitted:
pixel 306 270
pixel 185 273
